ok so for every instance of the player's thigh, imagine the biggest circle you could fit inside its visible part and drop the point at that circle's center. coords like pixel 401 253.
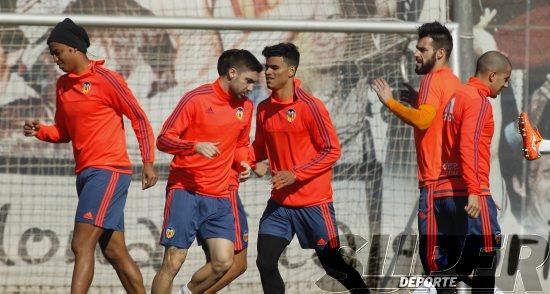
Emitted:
pixel 216 219
pixel 276 221
pixel 102 198
pixel 181 219
pixel 316 227
pixel 85 237
pixel 484 232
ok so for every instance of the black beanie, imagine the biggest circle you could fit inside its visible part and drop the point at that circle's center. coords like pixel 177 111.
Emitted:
pixel 70 34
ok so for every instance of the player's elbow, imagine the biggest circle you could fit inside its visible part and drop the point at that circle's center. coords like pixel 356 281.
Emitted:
pixel 161 144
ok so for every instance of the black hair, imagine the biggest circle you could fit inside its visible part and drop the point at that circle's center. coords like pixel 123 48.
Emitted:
pixel 440 35
pixel 288 51
pixel 239 59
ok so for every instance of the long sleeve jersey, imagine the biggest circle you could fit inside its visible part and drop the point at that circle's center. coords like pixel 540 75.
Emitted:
pixel 89 110
pixel 436 89
pixel 467 133
pixel 206 114
pixel 299 137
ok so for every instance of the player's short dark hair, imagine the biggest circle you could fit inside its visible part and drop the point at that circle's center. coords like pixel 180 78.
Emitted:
pixel 288 51
pixel 492 61
pixel 440 35
pixel 239 59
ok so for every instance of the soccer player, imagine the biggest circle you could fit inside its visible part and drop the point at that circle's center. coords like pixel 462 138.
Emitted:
pixel 90 103
pixel 534 146
pixel 465 211
pixel 436 88
pixel 241 232
pixel 207 133
pixel 295 132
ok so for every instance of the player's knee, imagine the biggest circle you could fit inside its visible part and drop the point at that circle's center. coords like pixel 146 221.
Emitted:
pixel 79 248
pixel 265 264
pixel 113 254
pixel 221 266
pixel 172 262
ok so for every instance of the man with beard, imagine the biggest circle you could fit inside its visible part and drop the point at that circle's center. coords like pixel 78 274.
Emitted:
pixel 436 89
pixel 208 133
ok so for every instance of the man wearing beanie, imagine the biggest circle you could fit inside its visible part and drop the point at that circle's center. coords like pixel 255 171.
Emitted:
pixel 90 102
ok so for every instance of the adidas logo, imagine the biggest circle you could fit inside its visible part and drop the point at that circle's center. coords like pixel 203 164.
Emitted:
pixel 210 110
pixel 321 242
pixel 88 215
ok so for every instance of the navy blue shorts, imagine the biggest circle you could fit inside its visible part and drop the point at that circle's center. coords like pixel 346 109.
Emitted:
pixel 241 224
pixel 188 214
pixel 102 197
pixel 449 234
pixel 315 226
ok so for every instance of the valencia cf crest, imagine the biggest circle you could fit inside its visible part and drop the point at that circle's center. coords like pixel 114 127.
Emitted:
pixel 290 115
pixel 498 238
pixel 239 113
pixel 86 87
pixel 245 237
pixel 170 232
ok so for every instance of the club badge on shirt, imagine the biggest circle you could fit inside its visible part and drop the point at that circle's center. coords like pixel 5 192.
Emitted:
pixel 86 87
pixel 290 115
pixel 239 113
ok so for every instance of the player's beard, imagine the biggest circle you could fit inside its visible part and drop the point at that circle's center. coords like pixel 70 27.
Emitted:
pixel 426 67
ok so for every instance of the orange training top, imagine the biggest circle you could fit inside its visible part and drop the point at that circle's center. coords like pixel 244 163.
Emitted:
pixel 206 114
pixel 89 109
pixel 298 136
pixel 467 133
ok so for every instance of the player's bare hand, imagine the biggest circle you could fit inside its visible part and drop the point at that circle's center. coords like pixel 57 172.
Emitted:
pixel 409 94
pixel 260 169
pixel 31 128
pixel 149 176
pixel 472 209
pixel 382 89
pixel 245 174
pixel 207 149
pixel 282 179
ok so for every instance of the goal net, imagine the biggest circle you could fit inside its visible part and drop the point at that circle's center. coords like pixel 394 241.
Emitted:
pixel 375 187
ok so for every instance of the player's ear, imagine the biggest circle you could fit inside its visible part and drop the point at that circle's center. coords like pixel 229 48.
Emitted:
pixel 232 73
pixel 492 76
pixel 440 53
pixel 291 71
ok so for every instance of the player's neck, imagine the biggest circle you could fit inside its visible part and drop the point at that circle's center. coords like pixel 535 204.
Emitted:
pixel 284 94
pixel 83 66
pixel 438 66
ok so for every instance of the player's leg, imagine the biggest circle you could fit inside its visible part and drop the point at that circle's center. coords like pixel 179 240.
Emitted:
pixel 241 244
pixel 427 229
pixel 534 146
pixel 114 249
pixel 178 233
pixel 218 229
pixel 221 253
pixel 274 235
pixel 99 207
pixel 171 263
pixel 316 229
pixel 484 239
pixel 83 245
pixel 270 249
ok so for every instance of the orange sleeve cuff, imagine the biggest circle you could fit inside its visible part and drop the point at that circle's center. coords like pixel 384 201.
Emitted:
pixel 420 118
